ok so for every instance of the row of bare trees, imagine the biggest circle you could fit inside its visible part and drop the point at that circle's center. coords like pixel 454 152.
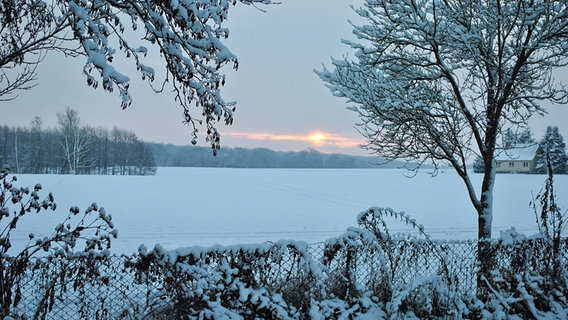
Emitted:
pixel 74 148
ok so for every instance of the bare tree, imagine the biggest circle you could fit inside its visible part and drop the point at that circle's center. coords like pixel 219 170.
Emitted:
pixel 439 81
pixel 74 140
pixel 36 161
pixel 187 33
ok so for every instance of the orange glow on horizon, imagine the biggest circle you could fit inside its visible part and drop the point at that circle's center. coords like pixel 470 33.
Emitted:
pixel 317 138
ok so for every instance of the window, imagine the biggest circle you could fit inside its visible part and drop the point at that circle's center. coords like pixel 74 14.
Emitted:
pixel 511 164
pixel 525 164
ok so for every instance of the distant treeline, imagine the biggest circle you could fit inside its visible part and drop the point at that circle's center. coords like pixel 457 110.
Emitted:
pixel 167 155
pixel 73 148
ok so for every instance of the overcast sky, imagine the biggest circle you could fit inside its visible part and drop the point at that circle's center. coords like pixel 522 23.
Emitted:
pixel 280 101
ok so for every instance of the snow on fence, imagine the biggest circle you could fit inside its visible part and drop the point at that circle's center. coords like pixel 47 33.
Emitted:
pixel 404 261
pixel 282 280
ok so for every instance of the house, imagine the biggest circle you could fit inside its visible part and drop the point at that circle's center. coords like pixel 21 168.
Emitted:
pixel 518 159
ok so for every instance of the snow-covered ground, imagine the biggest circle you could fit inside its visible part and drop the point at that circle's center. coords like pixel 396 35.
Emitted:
pixel 204 206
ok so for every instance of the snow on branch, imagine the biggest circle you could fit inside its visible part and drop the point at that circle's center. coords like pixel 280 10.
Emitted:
pixel 188 34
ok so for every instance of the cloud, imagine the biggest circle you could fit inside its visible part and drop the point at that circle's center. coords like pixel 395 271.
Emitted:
pixel 316 138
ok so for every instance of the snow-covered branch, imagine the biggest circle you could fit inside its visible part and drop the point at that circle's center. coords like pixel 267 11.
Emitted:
pixel 187 34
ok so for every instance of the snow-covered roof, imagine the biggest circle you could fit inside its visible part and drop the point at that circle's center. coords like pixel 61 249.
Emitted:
pixel 520 152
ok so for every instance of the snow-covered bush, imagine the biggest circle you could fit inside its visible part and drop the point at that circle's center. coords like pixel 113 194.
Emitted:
pixel 370 269
pixel 93 230
pixel 533 283
pixel 250 282
pixel 521 283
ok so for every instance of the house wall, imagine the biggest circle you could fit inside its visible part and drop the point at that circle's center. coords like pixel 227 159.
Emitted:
pixel 512 166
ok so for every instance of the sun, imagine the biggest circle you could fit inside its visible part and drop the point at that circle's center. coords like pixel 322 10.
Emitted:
pixel 317 138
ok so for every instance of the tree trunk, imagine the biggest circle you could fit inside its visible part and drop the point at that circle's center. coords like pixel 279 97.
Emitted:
pixel 485 214
pixel 485 254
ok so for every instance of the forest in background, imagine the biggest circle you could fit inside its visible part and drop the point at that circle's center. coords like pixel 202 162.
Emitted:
pixel 167 155
pixel 77 148
pixel 88 150
pixel 99 151
pixel 73 148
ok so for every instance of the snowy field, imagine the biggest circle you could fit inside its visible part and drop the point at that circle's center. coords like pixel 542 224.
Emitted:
pixel 204 206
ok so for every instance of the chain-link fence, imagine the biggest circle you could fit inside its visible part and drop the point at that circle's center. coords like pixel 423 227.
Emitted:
pixel 145 287
pixel 84 287
pixel 408 260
